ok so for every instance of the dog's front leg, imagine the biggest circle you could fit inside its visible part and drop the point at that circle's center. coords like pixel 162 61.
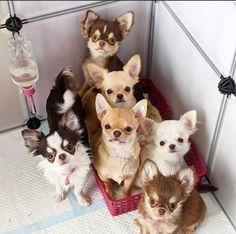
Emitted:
pixel 60 192
pixel 82 199
pixel 128 182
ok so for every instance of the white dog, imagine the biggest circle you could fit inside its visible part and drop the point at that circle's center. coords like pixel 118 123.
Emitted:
pixel 167 142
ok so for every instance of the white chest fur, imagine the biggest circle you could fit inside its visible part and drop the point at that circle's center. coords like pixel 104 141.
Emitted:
pixel 168 163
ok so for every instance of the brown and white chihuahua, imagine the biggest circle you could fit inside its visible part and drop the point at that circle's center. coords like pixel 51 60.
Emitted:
pixel 169 204
pixel 115 147
pixel 103 41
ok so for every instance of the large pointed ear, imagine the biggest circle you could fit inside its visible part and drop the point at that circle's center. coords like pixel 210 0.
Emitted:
pixel 125 22
pixel 101 106
pixel 140 110
pixel 133 67
pixel 71 121
pixel 190 121
pixel 86 24
pixel 187 179
pixel 147 127
pixel 97 74
pixel 148 171
pixel 33 139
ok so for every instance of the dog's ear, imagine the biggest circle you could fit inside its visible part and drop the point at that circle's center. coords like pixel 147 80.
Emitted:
pixel 187 179
pixel 147 127
pixel 190 121
pixel 125 22
pixel 86 24
pixel 97 74
pixel 140 110
pixel 33 139
pixel 70 121
pixel 148 171
pixel 101 106
pixel 133 67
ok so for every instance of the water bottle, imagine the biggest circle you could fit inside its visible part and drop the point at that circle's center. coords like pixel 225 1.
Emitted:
pixel 23 68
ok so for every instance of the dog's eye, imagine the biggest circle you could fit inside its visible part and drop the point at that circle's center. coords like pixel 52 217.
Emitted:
pixel 127 89
pixel 172 206
pixel 180 140
pixel 152 202
pixel 50 157
pixel 128 129
pixel 112 41
pixel 107 126
pixel 94 37
pixel 70 147
pixel 162 143
pixel 109 91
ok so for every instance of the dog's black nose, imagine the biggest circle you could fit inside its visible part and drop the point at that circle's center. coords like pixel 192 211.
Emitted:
pixel 102 43
pixel 120 96
pixel 172 146
pixel 116 133
pixel 62 157
pixel 162 211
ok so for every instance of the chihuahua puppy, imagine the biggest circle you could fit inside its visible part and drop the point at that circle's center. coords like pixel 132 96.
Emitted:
pixel 103 41
pixel 116 87
pixel 65 151
pixel 169 204
pixel 167 142
pixel 116 148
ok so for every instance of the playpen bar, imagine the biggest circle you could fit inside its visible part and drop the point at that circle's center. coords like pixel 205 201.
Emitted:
pixel 189 35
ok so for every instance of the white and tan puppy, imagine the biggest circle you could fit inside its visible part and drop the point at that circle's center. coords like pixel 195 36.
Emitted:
pixel 167 142
pixel 116 148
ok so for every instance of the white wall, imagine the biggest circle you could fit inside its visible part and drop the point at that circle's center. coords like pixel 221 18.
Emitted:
pixel 12 104
pixel 57 41
pixel 189 82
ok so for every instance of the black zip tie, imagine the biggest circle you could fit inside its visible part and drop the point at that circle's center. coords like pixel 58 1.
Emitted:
pixel 227 85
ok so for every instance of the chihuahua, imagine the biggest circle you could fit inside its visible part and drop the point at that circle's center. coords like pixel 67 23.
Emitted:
pixel 65 151
pixel 103 41
pixel 115 147
pixel 169 204
pixel 167 142
pixel 116 87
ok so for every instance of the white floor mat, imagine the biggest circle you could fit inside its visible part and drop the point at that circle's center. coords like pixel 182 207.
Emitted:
pixel 27 204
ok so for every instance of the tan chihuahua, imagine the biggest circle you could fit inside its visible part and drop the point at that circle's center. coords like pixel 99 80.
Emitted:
pixel 169 204
pixel 116 87
pixel 116 148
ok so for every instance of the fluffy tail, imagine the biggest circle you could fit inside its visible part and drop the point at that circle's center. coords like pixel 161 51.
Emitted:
pixel 62 97
pixel 66 87
pixel 206 188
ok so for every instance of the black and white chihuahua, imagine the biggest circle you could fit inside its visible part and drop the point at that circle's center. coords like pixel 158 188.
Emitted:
pixel 65 150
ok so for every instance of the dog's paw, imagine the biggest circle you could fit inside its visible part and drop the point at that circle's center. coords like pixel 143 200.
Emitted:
pixel 83 200
pixel 59 197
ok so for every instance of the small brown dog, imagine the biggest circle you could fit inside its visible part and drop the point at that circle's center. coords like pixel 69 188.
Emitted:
pixel 116 87
pixel 169 204
pixel 103 41
pixel 116 148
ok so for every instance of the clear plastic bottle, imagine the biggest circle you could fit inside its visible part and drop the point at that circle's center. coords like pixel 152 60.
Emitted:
pixel 23 68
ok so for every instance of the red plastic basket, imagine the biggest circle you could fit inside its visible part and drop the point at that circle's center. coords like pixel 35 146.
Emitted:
pixel 192 158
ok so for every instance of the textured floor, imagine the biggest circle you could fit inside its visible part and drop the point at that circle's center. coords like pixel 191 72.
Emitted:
pixel 27 205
